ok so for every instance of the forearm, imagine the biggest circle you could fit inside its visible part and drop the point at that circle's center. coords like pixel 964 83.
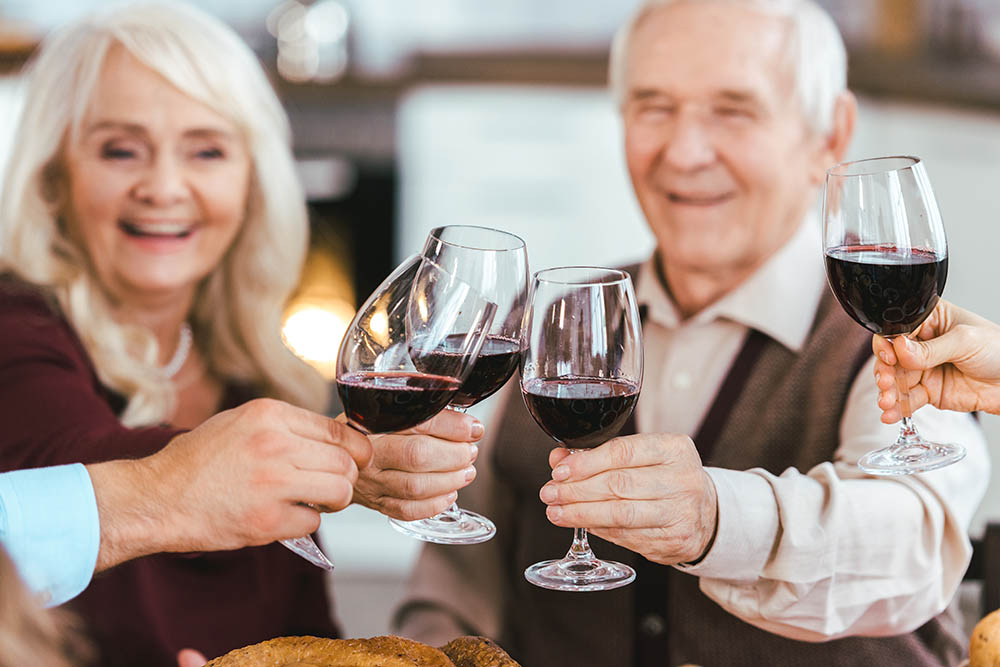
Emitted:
pixel 134 516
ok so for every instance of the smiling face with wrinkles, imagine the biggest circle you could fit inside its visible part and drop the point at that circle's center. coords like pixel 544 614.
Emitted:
pixel 718 151
pixel 157 184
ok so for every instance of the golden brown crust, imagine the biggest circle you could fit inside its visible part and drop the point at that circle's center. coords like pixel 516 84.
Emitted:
pixel 318 652
pixel 984 644
pixel 477 652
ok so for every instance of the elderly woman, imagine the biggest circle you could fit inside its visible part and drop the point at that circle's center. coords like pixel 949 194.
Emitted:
pixel 151 230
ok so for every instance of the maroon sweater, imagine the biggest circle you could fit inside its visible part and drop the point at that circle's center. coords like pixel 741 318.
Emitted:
pixel 53 410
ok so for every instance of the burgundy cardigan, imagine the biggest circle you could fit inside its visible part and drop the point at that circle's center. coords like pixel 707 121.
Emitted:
pixel 53 410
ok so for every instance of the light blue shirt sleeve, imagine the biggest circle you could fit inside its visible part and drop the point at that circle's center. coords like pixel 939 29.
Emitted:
pixel 50 527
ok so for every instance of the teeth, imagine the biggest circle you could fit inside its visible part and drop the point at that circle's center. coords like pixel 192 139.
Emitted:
pixel 156 228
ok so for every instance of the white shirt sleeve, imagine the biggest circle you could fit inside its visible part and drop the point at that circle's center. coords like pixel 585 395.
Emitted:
pixel 50 527
pixel 833 552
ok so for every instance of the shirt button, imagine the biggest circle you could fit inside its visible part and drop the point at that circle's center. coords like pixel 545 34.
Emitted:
pixel 682 380
pixel 652 625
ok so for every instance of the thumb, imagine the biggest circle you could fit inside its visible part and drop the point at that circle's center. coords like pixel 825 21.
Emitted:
pixel 190 658
pixel 923 355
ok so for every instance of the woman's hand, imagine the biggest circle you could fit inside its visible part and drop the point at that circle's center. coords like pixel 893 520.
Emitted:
pixel 241 478
pixel 952 363
pixel 417 473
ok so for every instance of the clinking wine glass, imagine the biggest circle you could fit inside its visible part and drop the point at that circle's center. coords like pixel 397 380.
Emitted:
pixel 495 263
pixel 581 372
pixel 887 260
pixel 391 375
pixel 379 381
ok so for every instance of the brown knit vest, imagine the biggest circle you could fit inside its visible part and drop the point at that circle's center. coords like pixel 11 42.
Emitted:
pixel 776 409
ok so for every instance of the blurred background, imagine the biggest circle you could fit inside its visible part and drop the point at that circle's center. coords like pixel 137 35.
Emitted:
pixel 410 115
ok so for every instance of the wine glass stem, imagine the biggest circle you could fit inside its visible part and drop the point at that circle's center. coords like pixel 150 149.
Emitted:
pixel 908 436
pixel 580 549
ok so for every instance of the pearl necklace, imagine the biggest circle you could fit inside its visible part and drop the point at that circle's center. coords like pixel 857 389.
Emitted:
pixel 171 368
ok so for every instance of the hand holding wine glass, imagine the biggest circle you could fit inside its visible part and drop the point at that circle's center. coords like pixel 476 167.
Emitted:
pixel 495 263
pixel 887 260
pixel 581 371
pixel 952 363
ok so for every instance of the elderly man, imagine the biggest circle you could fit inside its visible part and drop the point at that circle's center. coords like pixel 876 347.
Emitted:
pixel 757 540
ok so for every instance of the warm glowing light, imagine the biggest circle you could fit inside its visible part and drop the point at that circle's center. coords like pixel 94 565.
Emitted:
pixel 313 331
pixel 379 326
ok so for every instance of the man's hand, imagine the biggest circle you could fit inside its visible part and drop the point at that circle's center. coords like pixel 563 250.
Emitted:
pixel 953 363
pixel 647 493
pixel 417 473
pixel 241 478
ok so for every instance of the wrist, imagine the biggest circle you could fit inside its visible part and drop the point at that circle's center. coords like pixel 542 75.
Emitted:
pixel 133 519
pixel 710 516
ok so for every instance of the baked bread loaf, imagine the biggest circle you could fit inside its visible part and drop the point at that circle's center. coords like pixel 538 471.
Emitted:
pixel 984 644
pixel 477 652
pixel 374 652
pixel 320 652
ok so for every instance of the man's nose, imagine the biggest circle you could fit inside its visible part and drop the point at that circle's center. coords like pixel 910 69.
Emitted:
pixel 162 183
pixel 689 146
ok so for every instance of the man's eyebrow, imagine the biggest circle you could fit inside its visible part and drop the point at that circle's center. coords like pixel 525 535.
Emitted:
pixel 738 96
pixel 640 94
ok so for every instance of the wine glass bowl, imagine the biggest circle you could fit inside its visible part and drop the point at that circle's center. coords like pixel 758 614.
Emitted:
pixel 495 263
pixel 887 262
pixel 581 372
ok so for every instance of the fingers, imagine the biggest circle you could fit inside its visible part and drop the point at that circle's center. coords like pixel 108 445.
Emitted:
pixel 557 455
pixel 422 486
pixel 611 514
pixel 190 658
pixel 328 492
pixel 421 453
pixel 649 483
pixel 882 349
pixel 312 426
pixel 412 510
pixel 622 452
pixel 451 425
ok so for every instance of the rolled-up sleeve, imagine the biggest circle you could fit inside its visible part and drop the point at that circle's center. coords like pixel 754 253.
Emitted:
pixel 50 527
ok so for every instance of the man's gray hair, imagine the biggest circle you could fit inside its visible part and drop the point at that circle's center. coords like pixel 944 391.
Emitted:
pixel 815 53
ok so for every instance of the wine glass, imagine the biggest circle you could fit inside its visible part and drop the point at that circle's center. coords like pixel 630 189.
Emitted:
pixel 887 260
pixel 407 319
pixel 581 371
pixel 495 263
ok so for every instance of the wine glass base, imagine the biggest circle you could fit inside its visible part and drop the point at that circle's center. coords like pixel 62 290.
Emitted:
pixel 906 459
pixel 580 575
pixel 462 527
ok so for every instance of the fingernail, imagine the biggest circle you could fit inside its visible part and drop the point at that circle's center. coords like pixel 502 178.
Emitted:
pixel 477 429
pixel 554 512
pixel 548 494
pixel 878 376
pixel 560 473
pixel 881 355
pixel 470 474
pixel 473 453
pixel 453 496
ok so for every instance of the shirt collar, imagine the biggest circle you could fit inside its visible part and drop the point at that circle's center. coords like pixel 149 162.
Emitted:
pixel 773 300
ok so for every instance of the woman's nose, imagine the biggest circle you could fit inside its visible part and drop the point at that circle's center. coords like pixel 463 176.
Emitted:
pixel 162 183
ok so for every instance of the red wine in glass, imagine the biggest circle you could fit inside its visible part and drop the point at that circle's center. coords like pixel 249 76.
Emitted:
pixel 383 402
pixel 886 289
pixel 497 360
pixel 580 413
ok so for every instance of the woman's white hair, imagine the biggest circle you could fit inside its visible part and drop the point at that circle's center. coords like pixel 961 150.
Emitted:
pixel 815 54
pixel 238 308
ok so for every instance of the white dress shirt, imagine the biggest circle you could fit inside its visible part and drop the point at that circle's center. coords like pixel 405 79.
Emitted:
pixel 827 552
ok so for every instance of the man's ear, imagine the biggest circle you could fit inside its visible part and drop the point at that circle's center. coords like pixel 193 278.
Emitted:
pixel 834 144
